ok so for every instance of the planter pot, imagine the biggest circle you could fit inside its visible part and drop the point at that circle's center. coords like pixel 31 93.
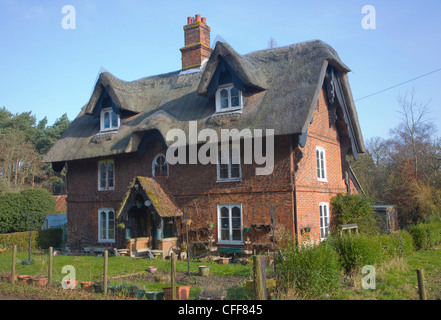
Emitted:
pixel 246 229
pixel 182 293
pixel 204 270
pixel 152 269
pixel 24 278
pixel 248 251
pixel 7 277
pixel 69 284
pixel 39 281
pixel 87 285
pixel 223 260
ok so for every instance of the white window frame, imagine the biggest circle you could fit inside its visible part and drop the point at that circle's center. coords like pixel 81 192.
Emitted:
pixel 321 164
pixel 324 220
pixel 106 238
pixel 228 87
pixel 230 206
pixel 111 127
pixel 106 187
pixel 154 164
pixel 230 163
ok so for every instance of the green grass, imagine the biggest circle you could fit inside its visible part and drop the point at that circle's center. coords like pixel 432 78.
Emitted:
pixel 397 279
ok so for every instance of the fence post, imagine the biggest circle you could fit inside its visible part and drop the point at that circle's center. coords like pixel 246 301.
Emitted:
pixel 14 257
pixel 106 258
pixel 259 274
pixel 421 284
pixel 173 275
pixel 51 254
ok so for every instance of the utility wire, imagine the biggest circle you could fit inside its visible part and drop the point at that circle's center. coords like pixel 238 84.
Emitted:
pixel 400 84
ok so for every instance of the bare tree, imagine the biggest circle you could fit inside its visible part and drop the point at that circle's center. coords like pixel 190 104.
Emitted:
pixel 414 116
pixel 272 43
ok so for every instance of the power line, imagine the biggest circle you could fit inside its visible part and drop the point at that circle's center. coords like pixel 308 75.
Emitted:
pixel 400 84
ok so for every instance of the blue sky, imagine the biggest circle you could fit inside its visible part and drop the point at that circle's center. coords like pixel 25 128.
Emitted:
pixel 51 71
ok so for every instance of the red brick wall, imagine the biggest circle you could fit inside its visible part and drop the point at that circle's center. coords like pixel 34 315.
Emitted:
pixel 309 191
pixel 191 186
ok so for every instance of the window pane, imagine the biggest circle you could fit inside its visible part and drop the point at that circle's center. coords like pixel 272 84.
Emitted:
pixel 224 212
pixel 103 224
pixel 234 97
pixel 318 164
pixel 235 171
pixel 225 235
pixel 114 120
pixel 223 171
pixel 111 226
pixel 322 164
pixel 237 235
pixel 110 175
pixel 224 98
pixel 106 120
pixel 103 175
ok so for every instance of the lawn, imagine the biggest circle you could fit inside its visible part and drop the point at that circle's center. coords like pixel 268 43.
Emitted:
pixel 228 278
pixel 397 279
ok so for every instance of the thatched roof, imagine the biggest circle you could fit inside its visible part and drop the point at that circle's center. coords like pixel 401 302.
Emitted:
pixel 151 189
pixel 282 86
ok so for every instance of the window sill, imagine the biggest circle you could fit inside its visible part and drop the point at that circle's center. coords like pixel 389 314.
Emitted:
pixel 229 180
pixel 226 112
pixel 101 190
pixel 322 180
pixel 230 243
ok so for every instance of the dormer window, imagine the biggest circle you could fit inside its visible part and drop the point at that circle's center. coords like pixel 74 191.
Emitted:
pixel 228 98
pixel 109 120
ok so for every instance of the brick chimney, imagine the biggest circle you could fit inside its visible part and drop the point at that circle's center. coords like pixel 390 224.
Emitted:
pixel 197 42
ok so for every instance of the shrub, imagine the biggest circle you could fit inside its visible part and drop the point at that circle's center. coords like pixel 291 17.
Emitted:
pixel 356 251
pixel 348 209
pixel 15 208
pixel 419 235
pixel 407 245
pixel 311 269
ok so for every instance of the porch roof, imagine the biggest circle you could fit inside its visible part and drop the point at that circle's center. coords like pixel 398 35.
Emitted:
pixel 161 201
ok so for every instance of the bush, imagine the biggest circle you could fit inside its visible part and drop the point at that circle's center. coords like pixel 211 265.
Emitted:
pixel 426 235
pixel 347 209
pixel 16 207
pixel 356 251
pixel 311 269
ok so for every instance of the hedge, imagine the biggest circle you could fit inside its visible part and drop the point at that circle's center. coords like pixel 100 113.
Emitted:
pixel 41 239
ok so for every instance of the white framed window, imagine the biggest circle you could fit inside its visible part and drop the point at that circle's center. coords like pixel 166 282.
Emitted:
pixel 229 218
pixel 324 220
pixel 228 165
pixel 228 98
pixel 160 166
pixel 106 175
pixel 106 225
pixel 109 120
pixel 321 164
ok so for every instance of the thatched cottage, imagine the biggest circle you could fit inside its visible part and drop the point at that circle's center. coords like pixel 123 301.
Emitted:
pixel 124 190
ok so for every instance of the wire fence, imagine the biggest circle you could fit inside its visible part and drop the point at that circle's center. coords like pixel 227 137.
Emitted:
pixel 106 273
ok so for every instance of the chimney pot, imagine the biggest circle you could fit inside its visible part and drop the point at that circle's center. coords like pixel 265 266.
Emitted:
pixel 198 18
pixel 204 20
pixel 189 20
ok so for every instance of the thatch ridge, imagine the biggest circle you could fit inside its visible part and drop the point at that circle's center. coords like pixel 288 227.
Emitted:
pixel 289 80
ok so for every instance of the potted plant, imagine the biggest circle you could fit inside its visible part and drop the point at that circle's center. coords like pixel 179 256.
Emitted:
pixel 182 293
pixel 86 285
pixel 204 271
pixel 40 281
pixel 246 228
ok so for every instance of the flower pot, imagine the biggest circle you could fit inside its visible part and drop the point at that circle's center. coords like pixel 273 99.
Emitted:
pixel 182 293
pixel 86 285
pixel 246 229
pixel 68 284
pixel 24 278
pixel 39 281
pixel 7 277
pixel 153 269
pixel 204 270
pixel 223 260
pixel 154 295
